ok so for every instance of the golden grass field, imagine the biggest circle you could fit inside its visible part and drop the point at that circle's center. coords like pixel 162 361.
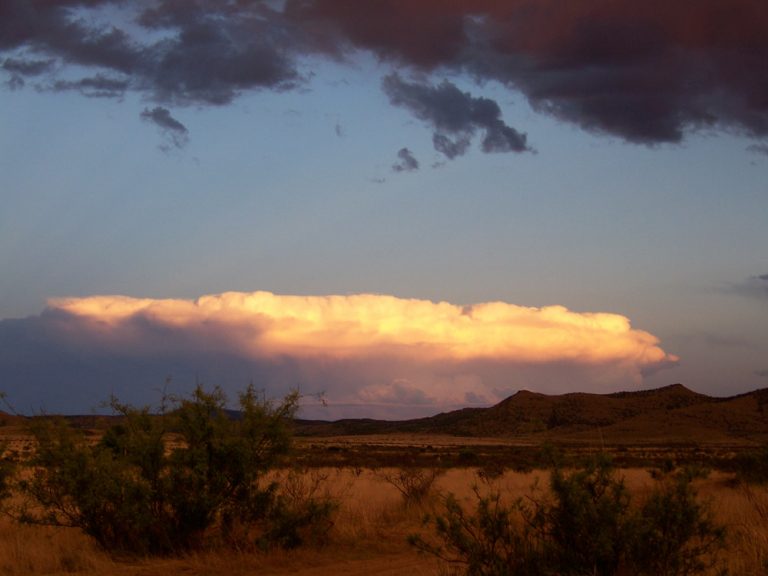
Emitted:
pixel 369 533
pixel 370 527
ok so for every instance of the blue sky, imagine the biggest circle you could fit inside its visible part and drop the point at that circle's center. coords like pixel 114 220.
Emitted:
pixel 294 190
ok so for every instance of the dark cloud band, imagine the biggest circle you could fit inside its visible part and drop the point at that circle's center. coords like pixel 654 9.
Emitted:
pixel 648 72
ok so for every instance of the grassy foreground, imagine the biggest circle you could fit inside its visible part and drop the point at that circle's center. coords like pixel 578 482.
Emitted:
pixel 369 531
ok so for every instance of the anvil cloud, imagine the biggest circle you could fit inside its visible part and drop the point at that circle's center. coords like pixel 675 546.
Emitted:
pixel 365 349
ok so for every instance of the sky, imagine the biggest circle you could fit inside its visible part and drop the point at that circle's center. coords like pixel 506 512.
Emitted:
pixel 402 206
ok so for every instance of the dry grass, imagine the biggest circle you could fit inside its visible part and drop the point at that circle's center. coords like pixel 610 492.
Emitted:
pixel 37 550
pixel 368 536
pixel 744 510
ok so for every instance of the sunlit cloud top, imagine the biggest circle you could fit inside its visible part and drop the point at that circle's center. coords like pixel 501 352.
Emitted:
pixel 264 324
pixel 370 354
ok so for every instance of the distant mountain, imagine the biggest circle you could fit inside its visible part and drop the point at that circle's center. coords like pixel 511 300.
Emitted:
pixel 669 414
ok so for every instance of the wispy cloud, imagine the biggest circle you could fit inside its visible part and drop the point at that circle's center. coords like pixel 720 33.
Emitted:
pixel 27 67
pixel 406 161
pixel 174 131
pixel 455 116
pixel 98 86
pixel 758 149
pixel 753 287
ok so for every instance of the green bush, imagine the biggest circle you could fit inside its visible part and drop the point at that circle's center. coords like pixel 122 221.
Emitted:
pixel 169 482
pixel 586 525
pixel 585 528
pixel 676 535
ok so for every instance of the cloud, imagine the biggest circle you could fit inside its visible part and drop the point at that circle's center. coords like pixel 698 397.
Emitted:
pixel 754 287
pixel 96 87
pixel 455 116
pixel 450 148
pixel 206 53
pixel 406 161
pixel 398 392
pixel 174 131
pixel 27 67
pixel 647 72
pixel 758 149
pixel 360 349
pixel 23 68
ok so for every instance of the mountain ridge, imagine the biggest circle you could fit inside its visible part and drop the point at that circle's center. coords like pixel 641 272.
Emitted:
pixel 670 413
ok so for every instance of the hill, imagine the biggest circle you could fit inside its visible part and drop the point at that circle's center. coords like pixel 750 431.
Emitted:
pixel 669 414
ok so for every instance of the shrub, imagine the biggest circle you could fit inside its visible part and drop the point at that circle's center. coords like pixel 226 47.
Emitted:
pixel 158 484
pixel 7 471
pixel 491 541
pixel 7 463
pixel 676 535
pixel 585 526
pixel 302 510
pixel 752 467
pixel 414 484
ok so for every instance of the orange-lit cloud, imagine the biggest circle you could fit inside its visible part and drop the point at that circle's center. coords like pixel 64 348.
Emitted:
pixel 373 355
pixel 262 324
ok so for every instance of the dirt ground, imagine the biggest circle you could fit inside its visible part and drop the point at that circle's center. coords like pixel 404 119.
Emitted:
pixel 387 564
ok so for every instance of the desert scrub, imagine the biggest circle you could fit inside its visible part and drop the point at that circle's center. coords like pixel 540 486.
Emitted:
pixel 675 533
pixel 752 467
pixel 135 491
pixel 586 523
pixel 415 484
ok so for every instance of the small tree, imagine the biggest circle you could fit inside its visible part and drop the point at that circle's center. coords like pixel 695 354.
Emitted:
pixel 161 483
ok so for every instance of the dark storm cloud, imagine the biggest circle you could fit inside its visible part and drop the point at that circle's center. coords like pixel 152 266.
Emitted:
pixel 54 29
pixel 406 161
pixel 175 132
pixel 207 53
pixel 647 72
pixel 455 115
